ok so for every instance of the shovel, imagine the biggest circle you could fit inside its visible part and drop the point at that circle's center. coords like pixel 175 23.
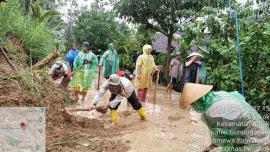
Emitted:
pixel 98 109
pixel 99 68
pixel 70 74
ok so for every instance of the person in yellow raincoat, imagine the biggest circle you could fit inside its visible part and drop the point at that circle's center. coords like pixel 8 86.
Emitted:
pixel 145 66
pixel 85 65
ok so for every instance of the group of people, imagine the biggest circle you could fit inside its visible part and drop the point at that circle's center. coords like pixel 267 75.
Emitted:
pixel 121 87
pixel 234 125
pixel 83 64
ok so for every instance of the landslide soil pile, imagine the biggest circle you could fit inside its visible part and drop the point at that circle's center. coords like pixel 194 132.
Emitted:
pixel 64 132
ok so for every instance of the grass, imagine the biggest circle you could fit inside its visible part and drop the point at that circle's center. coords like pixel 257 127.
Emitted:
pixel 29 83
pixel 37 38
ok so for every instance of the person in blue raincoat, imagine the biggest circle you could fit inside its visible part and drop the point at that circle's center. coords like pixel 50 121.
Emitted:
pixel 71 55
pixel 234 125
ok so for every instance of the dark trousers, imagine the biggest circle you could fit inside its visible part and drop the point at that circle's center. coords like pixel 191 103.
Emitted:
pixel 132 99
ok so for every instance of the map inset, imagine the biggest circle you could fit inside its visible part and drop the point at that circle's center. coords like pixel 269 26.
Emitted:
pixel 22 129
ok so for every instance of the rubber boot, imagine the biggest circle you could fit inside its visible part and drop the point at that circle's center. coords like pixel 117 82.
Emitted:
pixel 114 116
pixel 141 113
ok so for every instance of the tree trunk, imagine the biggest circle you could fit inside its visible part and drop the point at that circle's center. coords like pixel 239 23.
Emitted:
pixel 46 60
pixel 26 4
pixel 169 51
pixel 2 49
pixel 165 72
pixel 169 45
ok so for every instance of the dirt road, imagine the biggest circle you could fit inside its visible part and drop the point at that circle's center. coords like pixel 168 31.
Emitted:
pixel 167 129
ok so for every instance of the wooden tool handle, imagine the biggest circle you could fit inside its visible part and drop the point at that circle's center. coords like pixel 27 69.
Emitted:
pixel 155 92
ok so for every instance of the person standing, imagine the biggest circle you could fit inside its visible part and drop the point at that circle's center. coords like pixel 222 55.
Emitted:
pixel 85 65
pixel 145 67
pixel 173 71
pixel 71 55
pixel 194 69
pixel 194 73
pixel 110 61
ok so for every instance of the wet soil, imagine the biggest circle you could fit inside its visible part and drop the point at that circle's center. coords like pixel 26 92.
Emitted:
pixel 168 128
pixel 64 132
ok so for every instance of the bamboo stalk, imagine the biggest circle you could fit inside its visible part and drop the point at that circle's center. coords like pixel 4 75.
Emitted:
pixel 2 49
pixel 98 109
pixel 46 60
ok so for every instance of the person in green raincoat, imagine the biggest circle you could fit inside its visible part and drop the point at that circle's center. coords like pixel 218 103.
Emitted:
pixel 234 125
pixel 85 65
pixel 110 61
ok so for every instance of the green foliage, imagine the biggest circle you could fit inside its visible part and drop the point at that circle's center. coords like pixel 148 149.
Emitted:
pixel 144 35
pixel 40 14
pixel 100 28
pixel 255 45
pixel 161 59
pixel 35 82
pixel 222 62
pixel 130 43
pixel 162 15
pixel 36 37
pixel 96 26
pixel 29 83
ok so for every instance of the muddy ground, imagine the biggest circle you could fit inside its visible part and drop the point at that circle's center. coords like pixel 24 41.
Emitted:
pixel 168 128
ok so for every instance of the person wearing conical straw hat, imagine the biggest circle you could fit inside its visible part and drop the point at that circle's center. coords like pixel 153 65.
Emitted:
pixel 234 124
pixel 194 73
pixel 193 68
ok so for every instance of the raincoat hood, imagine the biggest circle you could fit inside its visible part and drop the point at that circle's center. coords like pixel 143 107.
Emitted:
pixel 147 64
pixel 146 49
pixel 202 104
pixel 177 37
pixel 110 47
pixel 110 61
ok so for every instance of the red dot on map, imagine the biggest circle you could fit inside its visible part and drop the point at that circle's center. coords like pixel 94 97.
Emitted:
pixel 22 125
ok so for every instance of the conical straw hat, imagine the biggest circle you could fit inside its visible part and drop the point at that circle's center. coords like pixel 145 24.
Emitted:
pixel 195 54
pixel 193 92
